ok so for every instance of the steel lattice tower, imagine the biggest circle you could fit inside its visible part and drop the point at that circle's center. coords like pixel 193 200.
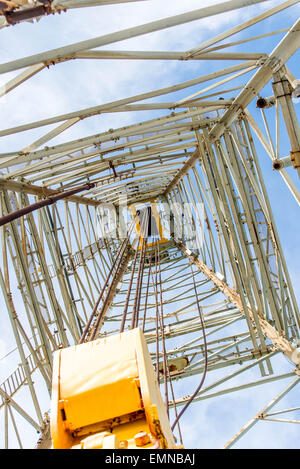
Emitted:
pixel 196 162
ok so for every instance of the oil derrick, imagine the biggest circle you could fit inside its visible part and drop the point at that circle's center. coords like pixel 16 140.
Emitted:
pixel 162 225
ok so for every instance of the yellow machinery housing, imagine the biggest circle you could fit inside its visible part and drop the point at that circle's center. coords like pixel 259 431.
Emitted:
pixel 105 395
pixel 151 204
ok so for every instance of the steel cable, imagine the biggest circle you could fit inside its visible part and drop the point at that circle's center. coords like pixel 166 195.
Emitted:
pixel 120 252
pixel 205 359
pixel 144 231
pixel 162 327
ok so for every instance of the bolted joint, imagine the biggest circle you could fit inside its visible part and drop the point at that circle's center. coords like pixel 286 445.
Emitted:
pixel 281 87
pixel 274 63
pixel 142 438
pixel 295 158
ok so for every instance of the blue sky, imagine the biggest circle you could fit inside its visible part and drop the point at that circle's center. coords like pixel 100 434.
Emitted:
pixel 79 84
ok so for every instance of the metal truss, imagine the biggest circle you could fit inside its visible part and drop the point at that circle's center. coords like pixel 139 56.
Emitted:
pixel 199 159
pixel 18 11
